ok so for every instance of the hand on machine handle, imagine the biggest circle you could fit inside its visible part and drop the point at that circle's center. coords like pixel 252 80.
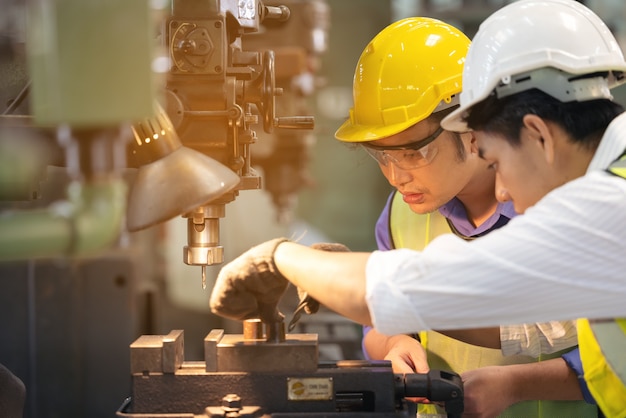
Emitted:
pixel 250 286
pixel 308 304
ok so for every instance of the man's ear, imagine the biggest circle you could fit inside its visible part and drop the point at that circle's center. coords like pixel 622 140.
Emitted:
pixel 540 134
pixel 473 143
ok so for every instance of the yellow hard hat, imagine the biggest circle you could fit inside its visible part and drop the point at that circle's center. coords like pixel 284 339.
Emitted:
pixel 410 69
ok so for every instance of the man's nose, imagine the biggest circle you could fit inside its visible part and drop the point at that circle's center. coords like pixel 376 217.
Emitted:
pixel 397 176
pixel 502 194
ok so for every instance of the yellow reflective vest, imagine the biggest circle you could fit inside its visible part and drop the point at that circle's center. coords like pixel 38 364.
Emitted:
pixel 602 346
pixel 411 230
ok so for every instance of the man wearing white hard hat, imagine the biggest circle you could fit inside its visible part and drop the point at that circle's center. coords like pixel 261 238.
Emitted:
pixel 407 79
pixel 536 93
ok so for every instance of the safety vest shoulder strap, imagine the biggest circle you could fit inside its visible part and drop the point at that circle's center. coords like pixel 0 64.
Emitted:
pixel 602 346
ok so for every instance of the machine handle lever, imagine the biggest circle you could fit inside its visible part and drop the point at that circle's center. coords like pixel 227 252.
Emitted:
pixel 295 122
pixel 280 13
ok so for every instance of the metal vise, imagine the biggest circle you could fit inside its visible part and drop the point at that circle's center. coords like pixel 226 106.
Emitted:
pixel 249 376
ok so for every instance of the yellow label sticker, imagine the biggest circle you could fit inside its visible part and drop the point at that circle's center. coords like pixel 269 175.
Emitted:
pixel 310 388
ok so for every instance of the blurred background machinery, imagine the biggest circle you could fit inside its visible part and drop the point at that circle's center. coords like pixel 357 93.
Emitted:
pixel 142 143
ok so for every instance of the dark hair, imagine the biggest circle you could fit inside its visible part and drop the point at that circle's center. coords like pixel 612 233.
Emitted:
pixel 585 122
pixel 458 142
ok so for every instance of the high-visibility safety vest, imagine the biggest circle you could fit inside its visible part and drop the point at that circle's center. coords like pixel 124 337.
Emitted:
pixel 602 346
pixel 411 230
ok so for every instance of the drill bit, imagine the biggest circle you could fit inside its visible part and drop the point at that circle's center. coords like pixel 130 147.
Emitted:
pixel 203 277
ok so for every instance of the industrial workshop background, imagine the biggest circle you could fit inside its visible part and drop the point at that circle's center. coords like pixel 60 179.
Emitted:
pixel 66 322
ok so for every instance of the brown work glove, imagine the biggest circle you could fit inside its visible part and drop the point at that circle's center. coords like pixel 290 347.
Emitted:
pixel 308 304
pixel 250 286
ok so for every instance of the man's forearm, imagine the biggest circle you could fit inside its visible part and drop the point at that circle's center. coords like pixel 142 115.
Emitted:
pixel 376 344
pixel 336 280
pixel 546 380
pixel 490 390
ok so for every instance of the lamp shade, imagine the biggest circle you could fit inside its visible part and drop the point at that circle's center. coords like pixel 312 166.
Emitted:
pixel 175 185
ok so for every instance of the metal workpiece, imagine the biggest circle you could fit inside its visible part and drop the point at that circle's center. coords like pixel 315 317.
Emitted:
pixel 255 329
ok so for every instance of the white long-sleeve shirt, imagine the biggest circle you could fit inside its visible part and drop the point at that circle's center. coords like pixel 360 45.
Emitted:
pixel 563 259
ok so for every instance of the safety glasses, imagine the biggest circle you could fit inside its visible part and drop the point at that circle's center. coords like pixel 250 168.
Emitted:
pixel 407 156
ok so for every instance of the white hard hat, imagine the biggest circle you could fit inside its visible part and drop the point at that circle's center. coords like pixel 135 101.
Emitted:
pixel 540 44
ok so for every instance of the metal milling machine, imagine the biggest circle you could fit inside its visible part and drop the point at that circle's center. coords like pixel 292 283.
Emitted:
pixel 92 74
pixel 216 89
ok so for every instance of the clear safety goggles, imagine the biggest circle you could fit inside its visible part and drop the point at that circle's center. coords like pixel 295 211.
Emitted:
pixel 407 156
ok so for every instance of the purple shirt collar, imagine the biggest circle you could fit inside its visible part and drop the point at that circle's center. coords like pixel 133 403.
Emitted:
pixel 455 212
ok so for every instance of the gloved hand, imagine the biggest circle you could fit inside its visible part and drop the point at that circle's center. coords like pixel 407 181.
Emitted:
pixel 250 286
pixel 307 303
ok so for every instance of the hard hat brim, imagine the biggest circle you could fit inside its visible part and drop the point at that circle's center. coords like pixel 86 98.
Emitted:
pixel 455 122
pixel 349 132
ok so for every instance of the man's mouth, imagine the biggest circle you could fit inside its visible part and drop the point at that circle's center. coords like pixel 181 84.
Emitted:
pixel 413 198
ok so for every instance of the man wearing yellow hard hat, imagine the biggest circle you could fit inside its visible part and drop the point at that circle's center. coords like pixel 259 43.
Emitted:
pixel 407 79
